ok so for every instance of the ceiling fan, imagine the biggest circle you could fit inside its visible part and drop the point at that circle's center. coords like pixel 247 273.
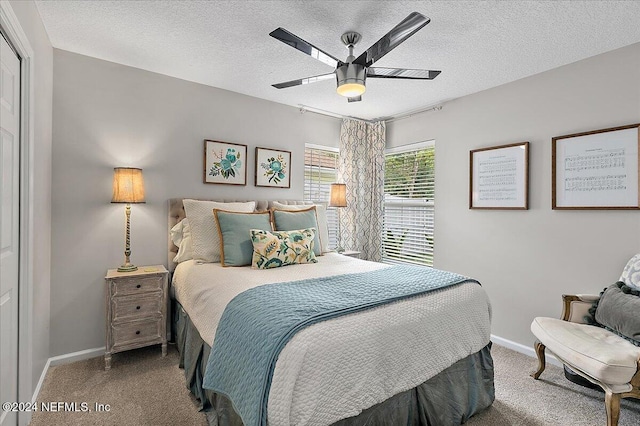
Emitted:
pixel 353 72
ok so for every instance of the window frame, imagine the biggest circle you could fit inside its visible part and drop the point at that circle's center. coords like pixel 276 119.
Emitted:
pixel 415 216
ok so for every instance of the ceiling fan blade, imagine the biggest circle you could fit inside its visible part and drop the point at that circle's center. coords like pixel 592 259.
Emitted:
pixel 402 73
pixel 307 80
pixel 405 29
pixel 356 99
pixel 303 46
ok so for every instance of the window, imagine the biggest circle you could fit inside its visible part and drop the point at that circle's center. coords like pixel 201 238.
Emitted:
pixel 409 187
pixel 320 171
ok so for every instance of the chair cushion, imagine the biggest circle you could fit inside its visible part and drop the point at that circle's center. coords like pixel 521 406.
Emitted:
pixel 595 351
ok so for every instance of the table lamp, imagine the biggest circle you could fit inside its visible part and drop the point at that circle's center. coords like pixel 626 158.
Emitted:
pixel 338 198
pixel 128 187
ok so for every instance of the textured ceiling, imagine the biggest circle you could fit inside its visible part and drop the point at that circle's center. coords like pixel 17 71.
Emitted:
pixel 476 44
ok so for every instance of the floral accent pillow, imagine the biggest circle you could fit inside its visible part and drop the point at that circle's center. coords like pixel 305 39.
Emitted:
pixel 281 248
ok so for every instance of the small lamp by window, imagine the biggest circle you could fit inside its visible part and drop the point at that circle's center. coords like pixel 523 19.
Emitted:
pixel 338 198
pixel 128 187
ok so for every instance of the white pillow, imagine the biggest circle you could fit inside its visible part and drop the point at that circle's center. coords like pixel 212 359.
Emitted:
pixel 205 237
pixel 321 216
pixel 176 232
pixel 181 237
pixel 631 273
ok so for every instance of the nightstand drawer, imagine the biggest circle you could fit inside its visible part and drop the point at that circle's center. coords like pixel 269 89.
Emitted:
pixel 133 332
pixel 145 305
pixel 135 285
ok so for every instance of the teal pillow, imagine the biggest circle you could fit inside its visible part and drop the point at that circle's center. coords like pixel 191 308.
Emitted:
pixel 236 248
pixel 301 219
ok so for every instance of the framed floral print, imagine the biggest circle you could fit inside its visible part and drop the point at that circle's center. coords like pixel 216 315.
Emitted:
pixel 273 168
pixel 225 163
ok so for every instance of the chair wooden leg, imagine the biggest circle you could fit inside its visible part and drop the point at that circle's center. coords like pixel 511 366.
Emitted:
pixel 539 347
pixel 612 404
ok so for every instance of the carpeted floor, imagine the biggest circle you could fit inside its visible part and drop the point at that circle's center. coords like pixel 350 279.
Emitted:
pixel 551 400
pixel 143 388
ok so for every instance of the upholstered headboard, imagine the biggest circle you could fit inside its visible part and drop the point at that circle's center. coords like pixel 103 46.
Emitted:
pixel 176 214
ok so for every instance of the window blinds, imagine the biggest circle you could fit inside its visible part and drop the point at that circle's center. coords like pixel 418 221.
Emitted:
pixel 409 188
pixel 320 171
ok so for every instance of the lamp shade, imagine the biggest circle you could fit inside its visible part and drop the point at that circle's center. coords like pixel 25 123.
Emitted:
pixel 338 196
pixel 128 185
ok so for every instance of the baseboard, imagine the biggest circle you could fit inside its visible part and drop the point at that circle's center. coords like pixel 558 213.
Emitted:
pixel 65 359
pixel 76 356
pixel 36 391
pixel 526 350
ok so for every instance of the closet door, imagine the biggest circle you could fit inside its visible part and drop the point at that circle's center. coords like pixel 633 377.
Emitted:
pixel 9 226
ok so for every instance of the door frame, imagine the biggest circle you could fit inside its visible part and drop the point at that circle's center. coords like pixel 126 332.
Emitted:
pixel 13 31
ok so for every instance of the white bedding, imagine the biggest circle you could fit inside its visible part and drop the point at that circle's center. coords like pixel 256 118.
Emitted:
pixel 337 368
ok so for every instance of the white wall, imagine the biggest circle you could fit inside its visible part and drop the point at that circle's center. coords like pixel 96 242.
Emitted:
pixel 31 24
pixel 527 259
pixel 108 115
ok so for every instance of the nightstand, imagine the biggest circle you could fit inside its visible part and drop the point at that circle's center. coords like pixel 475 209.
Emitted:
pixel 136 306
pixel 351 253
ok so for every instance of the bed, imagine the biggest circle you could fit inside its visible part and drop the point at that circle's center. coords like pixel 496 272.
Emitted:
pixel 420 360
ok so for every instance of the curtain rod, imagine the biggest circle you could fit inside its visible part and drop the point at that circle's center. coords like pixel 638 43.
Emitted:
pixel 304 108
pixel 408 114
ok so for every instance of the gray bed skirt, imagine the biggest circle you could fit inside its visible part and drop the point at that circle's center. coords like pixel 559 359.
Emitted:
pixel 449 398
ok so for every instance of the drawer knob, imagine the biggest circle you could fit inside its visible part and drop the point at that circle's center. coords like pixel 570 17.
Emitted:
pixel 138 332
pixel 137 307
pixel 138 286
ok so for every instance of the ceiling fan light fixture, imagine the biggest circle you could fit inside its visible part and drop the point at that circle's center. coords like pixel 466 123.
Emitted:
pixel 351 73
pixel 351 80
pixel 351 90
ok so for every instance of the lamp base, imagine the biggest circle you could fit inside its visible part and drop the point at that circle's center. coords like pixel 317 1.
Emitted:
pixel 127 267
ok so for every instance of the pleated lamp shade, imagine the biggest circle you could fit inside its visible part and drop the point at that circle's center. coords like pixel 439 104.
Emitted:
pixel 128 185
pixel 338 197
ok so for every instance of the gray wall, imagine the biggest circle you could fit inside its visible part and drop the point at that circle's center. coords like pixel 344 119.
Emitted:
pixel 43 60
pixel 527 259
pixel 109 115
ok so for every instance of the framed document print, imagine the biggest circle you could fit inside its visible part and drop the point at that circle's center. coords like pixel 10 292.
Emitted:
pixel 225 163
pixel 499 177
pixel 596 169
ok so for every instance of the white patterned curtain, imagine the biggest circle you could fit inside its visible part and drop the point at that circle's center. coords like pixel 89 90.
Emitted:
pixel 361 168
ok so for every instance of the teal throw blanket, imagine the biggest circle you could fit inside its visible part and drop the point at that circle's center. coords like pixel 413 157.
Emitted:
pixel 257 324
